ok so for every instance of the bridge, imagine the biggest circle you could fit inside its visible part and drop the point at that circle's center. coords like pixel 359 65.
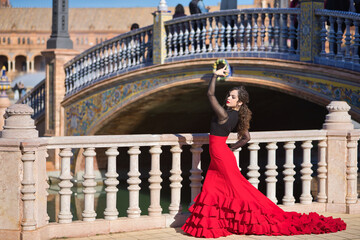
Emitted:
pixel 288 50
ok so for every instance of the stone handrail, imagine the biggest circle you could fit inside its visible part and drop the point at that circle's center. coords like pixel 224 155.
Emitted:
pixel 333 53
pixel 35 99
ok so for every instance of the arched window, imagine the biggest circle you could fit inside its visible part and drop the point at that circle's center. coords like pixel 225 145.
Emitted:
pixel 28 41
pixel 23 41
pixel 19 41
pixel 9 40
pixel 77 41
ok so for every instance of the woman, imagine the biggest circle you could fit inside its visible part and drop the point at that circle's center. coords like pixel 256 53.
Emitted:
pixel 179 11
pixel 228 203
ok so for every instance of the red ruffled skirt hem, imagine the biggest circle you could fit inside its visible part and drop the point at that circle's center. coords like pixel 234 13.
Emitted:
pixel 229 204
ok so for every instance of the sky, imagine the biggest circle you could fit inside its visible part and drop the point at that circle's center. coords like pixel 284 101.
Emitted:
pixel 113 3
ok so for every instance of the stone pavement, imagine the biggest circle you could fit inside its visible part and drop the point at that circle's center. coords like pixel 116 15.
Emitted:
pixel 352 232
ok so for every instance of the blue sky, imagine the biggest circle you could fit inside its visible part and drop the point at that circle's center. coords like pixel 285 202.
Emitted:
pixel 112 3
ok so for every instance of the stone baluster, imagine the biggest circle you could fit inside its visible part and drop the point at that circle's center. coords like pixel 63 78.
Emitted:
pixel 186 37
pixel 356 45
pixel 222 34
pixel 65 185
pixel 111 59
pixel 192 37
pixel 255 32
pixel 67 76
pixel 120 55
pixel 124 53
pixel 195 171
pixel 77 74
pixel 93 66
pixel 134 181
pixel 175 179
pixel 89 185
pixel 71 80
pixel 289 174
pixel 155 180
pixel 28 190
pixel 228 33
pixel 137 49
pixel 235 32
pixel 142 48
pixel 347 40
pixel 284 33
pixel 175 40
pixel 198 36
pixel 111 213
pixel 306 172
pixel 115 56
pixel 102 61
pixel 203 35
pixel 216 34
pixel 210 33
pixel 277 32
pixel 89 68
pixel 339 37
pixel 332 37
pixel 129 52
pixel 98 64
pixel 271 172
pixel 237 156
pixel 262 32
pixel 242 32
pixel 248 32
pixel 271 33
pixel 253 173
pixel 322 36
pixel 322 170
pixel 351 170
pixel 82 80
pixel 181 38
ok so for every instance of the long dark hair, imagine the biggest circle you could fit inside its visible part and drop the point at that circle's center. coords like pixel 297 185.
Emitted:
pixel 245 114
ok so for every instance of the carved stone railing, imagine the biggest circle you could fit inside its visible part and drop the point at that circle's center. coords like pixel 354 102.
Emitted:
pixel 262 32
pixel 23 155
pixel 340 39
pixel 128 51
pixel 35 99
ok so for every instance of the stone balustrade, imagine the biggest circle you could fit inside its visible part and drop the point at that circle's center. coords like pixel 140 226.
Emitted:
pixel 340 39
pixel 23 155
pixel 246 32
pixel 35 99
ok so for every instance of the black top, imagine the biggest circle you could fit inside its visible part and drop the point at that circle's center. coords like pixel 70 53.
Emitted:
pixel 225 128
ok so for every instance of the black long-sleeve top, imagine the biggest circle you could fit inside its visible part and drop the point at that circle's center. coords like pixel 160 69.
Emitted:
pixel 225 120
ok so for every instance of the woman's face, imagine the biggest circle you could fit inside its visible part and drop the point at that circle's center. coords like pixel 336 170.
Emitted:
pixel 233 100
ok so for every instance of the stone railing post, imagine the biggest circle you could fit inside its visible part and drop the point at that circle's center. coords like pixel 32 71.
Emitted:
pixel 338 123
pixel 159 33
pixel 22 175
pixel 310 28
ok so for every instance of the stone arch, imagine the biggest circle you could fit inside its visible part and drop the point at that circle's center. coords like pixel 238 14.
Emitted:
pixel 314 83
pixel 20 63
pixel 39 63
pixel 4 62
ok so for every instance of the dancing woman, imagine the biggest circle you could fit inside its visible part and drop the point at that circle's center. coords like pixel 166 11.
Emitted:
pixel 228 203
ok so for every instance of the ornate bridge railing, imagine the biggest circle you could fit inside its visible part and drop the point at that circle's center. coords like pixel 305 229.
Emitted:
pixel 262 32
pixel 128 51
pixel 35 99
pixel 343 30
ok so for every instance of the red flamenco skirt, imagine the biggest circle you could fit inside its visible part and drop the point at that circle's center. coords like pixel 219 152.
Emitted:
pixel 229 204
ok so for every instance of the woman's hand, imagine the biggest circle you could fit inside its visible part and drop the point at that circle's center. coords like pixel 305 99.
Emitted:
pixel 222 71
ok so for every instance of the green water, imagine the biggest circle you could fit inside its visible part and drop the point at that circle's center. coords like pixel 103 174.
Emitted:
pixel 77 200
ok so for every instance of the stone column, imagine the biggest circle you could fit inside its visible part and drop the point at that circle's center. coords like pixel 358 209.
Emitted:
pixel 338 123
pixel 159 34
pixel 22 175
pixel 55 93
pixel 310 27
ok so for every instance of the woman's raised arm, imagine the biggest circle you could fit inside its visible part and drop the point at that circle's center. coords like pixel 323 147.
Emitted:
pixel 220 112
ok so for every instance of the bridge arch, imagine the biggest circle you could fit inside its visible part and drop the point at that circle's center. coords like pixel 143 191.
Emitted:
pixel 87 110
